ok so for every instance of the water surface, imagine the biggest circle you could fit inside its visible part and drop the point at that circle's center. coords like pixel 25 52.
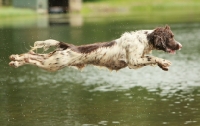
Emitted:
pixel 148 96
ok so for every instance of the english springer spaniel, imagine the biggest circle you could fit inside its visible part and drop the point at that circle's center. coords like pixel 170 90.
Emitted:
pixel 128 50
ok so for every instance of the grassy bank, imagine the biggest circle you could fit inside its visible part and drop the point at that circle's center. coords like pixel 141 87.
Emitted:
pixel 7 12
pixel 143 10
pixel 164 11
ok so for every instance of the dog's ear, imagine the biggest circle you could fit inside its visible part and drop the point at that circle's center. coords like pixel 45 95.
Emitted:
pixel 159 42
pixel 167 27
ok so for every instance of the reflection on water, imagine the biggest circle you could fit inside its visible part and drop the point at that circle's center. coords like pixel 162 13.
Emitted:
pixel 43 21
pixel 147 96
pixel 70 19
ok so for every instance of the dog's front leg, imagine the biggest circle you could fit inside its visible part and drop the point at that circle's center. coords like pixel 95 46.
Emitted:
pixel 149 60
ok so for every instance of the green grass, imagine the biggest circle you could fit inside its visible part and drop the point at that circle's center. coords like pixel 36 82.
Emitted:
pixel 168 11
pixel 145 10
pixel 7 12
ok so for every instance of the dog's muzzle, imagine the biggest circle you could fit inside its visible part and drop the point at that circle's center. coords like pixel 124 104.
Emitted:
pixel 179 46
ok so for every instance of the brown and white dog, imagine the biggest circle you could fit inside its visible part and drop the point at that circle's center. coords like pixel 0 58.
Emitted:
pixel 128 50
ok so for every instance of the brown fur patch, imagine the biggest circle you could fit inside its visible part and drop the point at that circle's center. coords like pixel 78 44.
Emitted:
pixel 86 48
pixel 64 45
pixel 92 47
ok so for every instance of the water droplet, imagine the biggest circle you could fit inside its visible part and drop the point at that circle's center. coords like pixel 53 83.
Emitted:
pixel 115 122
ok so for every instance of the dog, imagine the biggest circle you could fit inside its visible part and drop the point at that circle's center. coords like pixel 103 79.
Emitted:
pixel 130 50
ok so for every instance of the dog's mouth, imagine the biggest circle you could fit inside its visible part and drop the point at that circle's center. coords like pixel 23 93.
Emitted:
pixel 171 51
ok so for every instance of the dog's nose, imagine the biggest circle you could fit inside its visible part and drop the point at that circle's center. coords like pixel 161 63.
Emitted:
pixel 179 46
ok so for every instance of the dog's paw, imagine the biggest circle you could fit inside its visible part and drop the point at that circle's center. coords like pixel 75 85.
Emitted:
pixel 14 64
pixel 14 57
pixel 164 64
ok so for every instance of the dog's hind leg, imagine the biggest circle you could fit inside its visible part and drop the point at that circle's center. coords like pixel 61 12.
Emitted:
pixel 27 58
pixel 45 44
pixel 49 62
pixel 29 55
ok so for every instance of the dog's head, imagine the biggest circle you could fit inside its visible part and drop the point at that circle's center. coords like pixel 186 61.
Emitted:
pixel 162 38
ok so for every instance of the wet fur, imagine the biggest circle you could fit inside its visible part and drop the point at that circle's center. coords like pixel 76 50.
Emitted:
pixel 130 50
